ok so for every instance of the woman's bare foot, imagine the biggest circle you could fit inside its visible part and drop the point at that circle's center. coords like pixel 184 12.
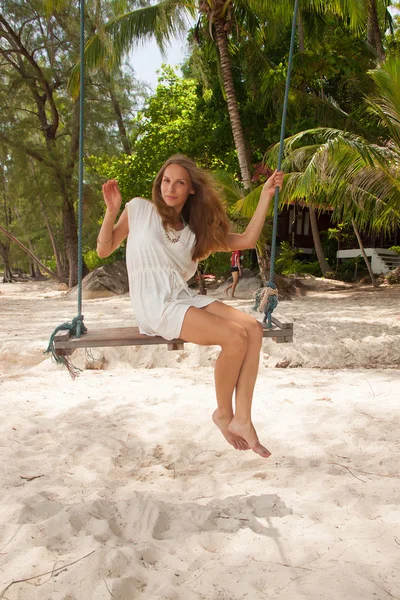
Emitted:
pixel 222 422
pixel 246 431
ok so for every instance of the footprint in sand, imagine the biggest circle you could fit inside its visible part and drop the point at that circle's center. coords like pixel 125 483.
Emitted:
pixel 127 588
pixel 158 452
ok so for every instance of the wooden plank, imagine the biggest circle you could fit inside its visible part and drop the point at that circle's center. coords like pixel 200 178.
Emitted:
pixel 64 351
pixel 130 336
pixel 63 335
pixel 115 336
pixel 281 325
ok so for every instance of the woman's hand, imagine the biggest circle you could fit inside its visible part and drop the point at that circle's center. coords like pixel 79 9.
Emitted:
pixel 273 182
pixel 112 196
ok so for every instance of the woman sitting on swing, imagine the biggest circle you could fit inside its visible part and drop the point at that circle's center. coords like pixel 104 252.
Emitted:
pixel 185 222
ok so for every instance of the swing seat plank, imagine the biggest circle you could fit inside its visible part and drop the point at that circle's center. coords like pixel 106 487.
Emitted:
pixel 65 344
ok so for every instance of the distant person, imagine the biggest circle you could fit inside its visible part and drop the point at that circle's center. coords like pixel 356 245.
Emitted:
pixel 186 222
pixel 236 271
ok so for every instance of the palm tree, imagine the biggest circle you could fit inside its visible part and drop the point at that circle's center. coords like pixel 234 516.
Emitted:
pixel 359 179
pixel 374 35
pixel 367 17
pixel 169 18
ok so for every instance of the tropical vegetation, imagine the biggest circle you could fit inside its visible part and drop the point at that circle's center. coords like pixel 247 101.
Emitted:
pixel 343 138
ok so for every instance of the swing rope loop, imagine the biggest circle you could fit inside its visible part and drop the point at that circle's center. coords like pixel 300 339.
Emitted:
pixel 76 326
pixel 81 142
pixel 273 299
pixel 72 327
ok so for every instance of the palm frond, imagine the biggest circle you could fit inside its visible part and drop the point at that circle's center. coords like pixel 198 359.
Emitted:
pixel 246 206
pixel 230 188
pixel 386 104
pixel 163 21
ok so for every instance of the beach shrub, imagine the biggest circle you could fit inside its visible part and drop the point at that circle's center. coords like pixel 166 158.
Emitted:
pixel 351 269
pixel 216 264
pixel 50 263
pixel 312 268
pixel 93 261
pixel 393 276
pixel 287 262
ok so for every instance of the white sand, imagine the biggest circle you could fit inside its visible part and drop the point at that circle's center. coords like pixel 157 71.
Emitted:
pixel 131 472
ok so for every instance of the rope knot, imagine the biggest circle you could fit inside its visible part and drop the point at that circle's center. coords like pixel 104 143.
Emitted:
pixel 267 301
pixel 76 328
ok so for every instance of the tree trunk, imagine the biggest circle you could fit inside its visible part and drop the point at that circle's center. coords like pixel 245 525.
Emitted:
pixel 68 188
pixel 202 285
pixel 59 263
pixel 34 269
pixel 71 240
pixel 323 263
pixel 31 256
pixel 5 254
pixel 227 77
pixel 374 32
pixel 338 250
pixel 300 31
pixel 237 129
pixel 118 113
pixel 365 257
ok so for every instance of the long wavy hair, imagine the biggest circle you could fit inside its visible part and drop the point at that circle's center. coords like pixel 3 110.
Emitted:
pixel 204 210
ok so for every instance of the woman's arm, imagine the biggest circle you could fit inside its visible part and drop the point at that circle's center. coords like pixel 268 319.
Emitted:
pixel 248 239
pixel 110 237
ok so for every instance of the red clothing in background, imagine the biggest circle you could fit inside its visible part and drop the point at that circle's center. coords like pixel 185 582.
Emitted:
pixel 235 258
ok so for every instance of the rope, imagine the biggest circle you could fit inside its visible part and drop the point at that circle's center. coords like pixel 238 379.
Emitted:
pixel 273 298
pixel 76 326
pixel 72 327
pixel 81 141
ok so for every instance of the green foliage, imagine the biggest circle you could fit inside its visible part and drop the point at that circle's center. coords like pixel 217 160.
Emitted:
pixel 341 233
pixel 93 261
pixel 190 115
pixel 311 268
pixel 395 249
pixel 393 277
pixel 50 263
pixel 39 124
pixel 351 269
pixel 170 123
pixel 287 262
pixel 216 264
pixel 329 246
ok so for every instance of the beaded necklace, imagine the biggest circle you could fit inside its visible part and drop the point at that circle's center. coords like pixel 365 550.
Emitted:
pixel 173 235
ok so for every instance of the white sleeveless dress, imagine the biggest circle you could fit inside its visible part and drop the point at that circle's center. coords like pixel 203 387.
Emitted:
pixel 158 270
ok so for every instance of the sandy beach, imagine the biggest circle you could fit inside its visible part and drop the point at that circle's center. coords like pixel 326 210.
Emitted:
pixel 118 485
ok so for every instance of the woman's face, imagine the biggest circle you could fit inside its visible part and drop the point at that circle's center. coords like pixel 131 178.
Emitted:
pixel 176 187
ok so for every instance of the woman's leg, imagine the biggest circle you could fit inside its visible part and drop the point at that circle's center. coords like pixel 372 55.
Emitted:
pixel 235 276
pixel 206 327
pixel 235 279
pixel 242 424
